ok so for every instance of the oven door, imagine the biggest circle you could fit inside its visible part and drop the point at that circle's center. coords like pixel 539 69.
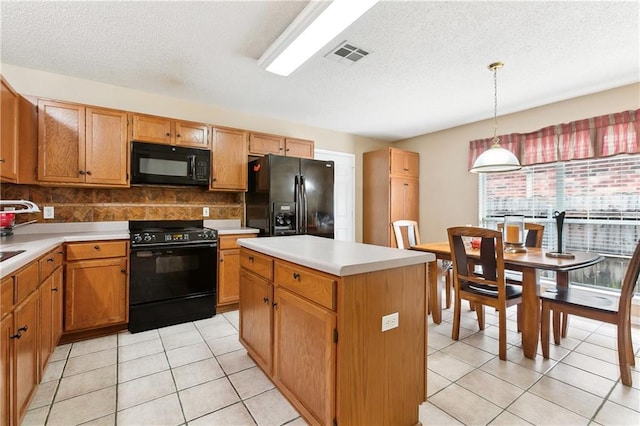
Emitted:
pixel 171 272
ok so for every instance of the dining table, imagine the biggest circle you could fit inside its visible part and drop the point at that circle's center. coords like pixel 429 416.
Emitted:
pixel 529 263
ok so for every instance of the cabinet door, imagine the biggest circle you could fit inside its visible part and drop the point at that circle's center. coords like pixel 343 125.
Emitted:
pixel 61 142
pixel 8 133
pixel 57 303
pixel 106 147
pixel 404 198
pixel 299 148
pixel 261 144
pixel 229 159
pixel 192 134
pixel 6 368
pixel 304 342
pixel 45 315
pixel 95 293
pixel 256 317
pixel 26 353
pixel 147 128
pixel 405 163
pixel 229 277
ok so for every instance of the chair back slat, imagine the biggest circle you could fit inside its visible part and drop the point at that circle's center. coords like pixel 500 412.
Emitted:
pixel 629 283
pixel 408 228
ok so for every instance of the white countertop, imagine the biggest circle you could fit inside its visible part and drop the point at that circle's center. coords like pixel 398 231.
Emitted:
pixel 37 239
pixel 340 258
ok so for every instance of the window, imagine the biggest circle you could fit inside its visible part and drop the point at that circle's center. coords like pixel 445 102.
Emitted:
pixel 601 198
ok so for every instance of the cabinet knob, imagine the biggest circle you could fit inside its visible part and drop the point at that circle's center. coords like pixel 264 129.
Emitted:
pixel 96 247
pixel 406 170
pixel 178 135
pixel 2 160
pixel 54 289
pixel 214 179
pixel 16 336
pixel 81 172
pixel 265 299
pixel 124 271
pixel 250 258
pixel 50 260
pixel 296 276
pixel 275 305
pixel 168 134
pixel 23 328
pixel 89 172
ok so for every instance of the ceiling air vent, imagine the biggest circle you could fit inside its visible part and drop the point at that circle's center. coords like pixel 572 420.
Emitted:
pixel 347 53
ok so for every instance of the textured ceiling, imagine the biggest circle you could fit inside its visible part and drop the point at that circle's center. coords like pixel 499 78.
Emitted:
pixel 427 69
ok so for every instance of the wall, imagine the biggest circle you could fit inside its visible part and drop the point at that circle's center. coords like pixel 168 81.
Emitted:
pixel 55 86
pixel 449 193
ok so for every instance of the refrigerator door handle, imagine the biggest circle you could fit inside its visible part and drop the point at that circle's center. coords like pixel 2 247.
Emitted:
pixel 303 191
pixel 298 203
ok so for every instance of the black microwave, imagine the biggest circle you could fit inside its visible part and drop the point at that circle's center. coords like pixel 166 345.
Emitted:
pixel 169 165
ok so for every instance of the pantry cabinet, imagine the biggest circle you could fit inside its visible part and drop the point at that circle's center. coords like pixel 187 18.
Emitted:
pixel 262 144
pixel 50 295
pixel 228 159
pixel 149 128
pixel 96 285
pixel 81 145
pixel 390 193
pixel 229 269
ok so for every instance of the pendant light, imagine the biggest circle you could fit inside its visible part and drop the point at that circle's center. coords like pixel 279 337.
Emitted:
pixel 495 159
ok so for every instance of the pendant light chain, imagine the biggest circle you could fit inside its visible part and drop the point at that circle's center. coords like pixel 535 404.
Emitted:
pixel 495 105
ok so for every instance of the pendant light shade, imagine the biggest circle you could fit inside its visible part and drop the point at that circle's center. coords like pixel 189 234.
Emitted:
pixel 495 159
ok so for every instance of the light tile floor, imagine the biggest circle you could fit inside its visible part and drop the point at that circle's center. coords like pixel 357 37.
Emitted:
pixel 197 373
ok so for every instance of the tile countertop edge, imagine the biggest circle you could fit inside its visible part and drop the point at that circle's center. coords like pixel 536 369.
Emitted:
pixel 35 245
pixel 340 258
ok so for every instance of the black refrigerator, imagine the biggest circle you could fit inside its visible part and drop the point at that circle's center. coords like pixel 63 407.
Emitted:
pixel 290 196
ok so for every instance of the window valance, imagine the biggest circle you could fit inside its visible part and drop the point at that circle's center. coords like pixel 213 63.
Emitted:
pixel 596 137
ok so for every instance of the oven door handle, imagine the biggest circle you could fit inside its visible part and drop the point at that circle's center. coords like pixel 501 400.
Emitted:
pixel 173 246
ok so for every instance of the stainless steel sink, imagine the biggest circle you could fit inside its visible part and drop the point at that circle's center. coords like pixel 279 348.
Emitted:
pixel 4 255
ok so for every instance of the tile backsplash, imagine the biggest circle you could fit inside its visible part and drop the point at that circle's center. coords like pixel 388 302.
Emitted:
pixel 135 203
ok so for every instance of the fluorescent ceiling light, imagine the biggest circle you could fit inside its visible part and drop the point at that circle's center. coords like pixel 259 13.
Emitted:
pixel 318 24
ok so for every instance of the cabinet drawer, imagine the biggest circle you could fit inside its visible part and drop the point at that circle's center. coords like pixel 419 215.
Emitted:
pixel 50 262
pixel 257 263
pixel 26 281
pixel 226 242
pixel 96 250
pixel 6 295
pixel 307 283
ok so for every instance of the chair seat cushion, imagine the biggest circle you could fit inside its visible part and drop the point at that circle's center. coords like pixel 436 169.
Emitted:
pixel 488 290
pixel 577 296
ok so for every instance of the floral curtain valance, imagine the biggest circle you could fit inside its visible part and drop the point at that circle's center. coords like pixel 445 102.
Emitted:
pixel 601 136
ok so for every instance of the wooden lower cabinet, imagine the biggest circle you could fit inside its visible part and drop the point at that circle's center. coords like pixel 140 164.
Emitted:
pixel 26 354
pixel 95 294
pixel 256 321
pixel 318 337
pixel 6 369
pixel 229 269
pixel 305 354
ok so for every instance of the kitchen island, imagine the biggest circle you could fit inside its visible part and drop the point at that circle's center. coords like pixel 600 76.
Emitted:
pixel 312 315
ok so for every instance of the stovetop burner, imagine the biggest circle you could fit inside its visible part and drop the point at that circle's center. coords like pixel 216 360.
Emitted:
pixel 147 232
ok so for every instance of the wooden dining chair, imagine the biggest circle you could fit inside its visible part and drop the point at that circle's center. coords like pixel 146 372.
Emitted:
pixel 406 233
pixel 597 306
pixel 485 288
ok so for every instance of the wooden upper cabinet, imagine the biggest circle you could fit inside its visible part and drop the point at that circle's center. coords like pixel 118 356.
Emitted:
pixel 106 152
pixel 82 145
pixel 149 128
pixel 61 142
pixel 299 148
pixel 405 163
pixel 229 159
pixel 9 133
pixel 262 144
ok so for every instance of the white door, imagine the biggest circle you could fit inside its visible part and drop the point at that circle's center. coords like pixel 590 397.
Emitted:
pixel 343 192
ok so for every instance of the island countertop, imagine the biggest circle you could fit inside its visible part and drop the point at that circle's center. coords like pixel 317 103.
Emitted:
pixel 340 258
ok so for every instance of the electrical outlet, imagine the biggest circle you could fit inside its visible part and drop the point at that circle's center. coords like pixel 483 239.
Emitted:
pixel 205 211
pixel 390 321
pixel 48 212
